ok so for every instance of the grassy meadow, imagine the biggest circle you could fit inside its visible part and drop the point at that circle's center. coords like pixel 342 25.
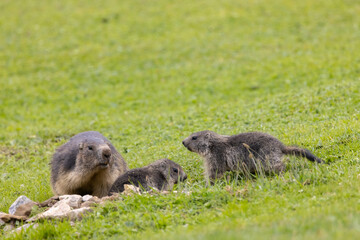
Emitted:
pixel 146 74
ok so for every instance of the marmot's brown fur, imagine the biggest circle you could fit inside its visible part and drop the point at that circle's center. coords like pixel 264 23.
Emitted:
pixel 87 164
pixel 245 152
pixel 161 175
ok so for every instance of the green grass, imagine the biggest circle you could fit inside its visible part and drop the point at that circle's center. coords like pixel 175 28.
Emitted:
pixel 146 74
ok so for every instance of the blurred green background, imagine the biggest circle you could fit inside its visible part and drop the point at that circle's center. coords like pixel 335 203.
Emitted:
pixel 146 74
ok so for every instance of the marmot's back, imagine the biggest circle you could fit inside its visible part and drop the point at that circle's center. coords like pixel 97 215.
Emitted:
pixel 138 177
pixel 244 152
pixel 161 174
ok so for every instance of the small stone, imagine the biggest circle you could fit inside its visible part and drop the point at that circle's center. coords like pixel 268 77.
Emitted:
pixel 62 197
pixel 86 198
pixel 26 226
pixel 88 204
pixel 229 189
pixel 18 202
pixel 242 192
pixel 50 202
pixel 152 191
pixel 113 197
pixel 130 189
pixel 8 227
pixel 11 218
pixel 307 182
pixel 77 214
pixel 24 209
pixel 56 212
pixel 73 201
pixel 94 199
pixel 186 192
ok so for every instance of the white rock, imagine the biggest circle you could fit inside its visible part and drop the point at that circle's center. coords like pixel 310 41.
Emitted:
pixel 86 198
pixel 55 212
pixel 26 226
pixel 69 196
pixel 131 189
pixel 73 201
pixel 8 227
pixel 77 214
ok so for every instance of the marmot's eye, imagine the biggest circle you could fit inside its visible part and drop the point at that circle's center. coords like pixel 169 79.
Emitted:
pixel 175 170
pixel 90 147
pixel 194 138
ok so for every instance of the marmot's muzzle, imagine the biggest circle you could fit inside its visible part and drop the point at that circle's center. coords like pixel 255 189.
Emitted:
pixel 105 157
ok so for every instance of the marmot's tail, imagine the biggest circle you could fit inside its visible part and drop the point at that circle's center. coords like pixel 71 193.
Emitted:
pixel 301 153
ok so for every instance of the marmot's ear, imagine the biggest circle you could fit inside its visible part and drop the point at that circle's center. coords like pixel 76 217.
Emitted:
pixel 162 167
pixel 81 145
pixel 207 135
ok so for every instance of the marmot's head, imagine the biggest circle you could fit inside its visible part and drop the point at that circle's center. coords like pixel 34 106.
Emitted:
pixel 94 154
pixel 171 170
pixel 199 142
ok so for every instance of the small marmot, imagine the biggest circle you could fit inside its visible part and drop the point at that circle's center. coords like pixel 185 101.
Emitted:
pixel 87 164
pixel 243 152
pixel 161 175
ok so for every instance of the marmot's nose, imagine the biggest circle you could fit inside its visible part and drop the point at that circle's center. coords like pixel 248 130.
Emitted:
pixel 185 177
pixel 106 154
pixel 183 142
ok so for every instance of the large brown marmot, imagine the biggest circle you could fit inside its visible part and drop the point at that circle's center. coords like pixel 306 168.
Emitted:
pixel 161 175
pixel 247 152
pixel 87 164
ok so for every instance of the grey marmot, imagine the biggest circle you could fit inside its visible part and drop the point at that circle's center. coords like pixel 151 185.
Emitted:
pixel 243 152
pixel 161 175
pixel 87 164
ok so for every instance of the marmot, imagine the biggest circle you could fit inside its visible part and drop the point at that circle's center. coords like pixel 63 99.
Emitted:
pixel 161 175
pixel 87 164
pixel 243 152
